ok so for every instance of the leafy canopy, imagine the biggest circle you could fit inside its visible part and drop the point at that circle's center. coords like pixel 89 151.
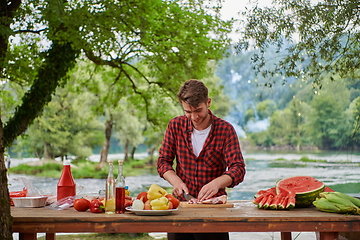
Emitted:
pixel 312 39
pixel 174 39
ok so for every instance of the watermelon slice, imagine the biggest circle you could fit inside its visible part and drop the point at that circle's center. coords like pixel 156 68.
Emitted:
pixel 282 202
pixel 264 197
pixel 276 201
pixel 258 199
pixel 290 197
pixel 268 201
pixel 262 192
pixel 263 201
pixel 306 189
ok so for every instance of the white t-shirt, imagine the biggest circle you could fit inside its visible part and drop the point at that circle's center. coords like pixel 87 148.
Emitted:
pixel 198 139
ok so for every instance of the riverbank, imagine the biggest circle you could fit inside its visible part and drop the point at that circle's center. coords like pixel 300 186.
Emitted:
pixel 331 157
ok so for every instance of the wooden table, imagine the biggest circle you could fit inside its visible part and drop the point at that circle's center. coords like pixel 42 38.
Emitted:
pixel 244 217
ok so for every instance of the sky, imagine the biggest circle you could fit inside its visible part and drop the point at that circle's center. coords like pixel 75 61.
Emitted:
pixel 232 8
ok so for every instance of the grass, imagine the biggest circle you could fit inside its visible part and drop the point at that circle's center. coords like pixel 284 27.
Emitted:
pixel 104 236
pixel 82 169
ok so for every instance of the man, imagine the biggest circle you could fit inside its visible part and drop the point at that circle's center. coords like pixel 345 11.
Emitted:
pixel 207 153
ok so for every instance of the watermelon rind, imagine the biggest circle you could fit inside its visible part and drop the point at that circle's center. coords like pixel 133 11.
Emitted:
pixel 306 199
pixel 306 188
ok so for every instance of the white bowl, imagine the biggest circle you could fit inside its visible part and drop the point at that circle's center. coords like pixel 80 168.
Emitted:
pixel 30 201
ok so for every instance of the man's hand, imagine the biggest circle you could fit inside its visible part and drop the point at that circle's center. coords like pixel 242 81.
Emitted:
pixel 178 185
pixel 210 189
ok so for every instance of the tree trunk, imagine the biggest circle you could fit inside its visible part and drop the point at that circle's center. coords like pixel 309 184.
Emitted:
pixel 126 151
pixel 105 149
pixel 47 152
pixel 133 152
pixel 151 152
pixel 5 216
pixel 7 9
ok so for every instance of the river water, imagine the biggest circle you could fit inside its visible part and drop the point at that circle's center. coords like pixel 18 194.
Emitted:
pixel 340 172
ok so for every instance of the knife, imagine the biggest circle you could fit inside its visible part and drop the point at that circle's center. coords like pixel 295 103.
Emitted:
pixel 187 196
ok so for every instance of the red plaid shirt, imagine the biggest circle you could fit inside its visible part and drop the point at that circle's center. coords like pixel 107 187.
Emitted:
pixel 220 155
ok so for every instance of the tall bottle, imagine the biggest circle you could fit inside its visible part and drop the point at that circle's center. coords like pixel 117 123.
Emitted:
pixel 66 186
pixel 120 190
pixel 110 191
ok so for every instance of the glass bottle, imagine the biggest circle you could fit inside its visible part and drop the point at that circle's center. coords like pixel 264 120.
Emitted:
pixel 110 191
pixel 120 190
pixel 66 186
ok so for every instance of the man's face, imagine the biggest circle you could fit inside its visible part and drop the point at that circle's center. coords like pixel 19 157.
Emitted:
pixel 199 115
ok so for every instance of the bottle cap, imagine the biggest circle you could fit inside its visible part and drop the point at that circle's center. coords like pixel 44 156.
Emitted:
pixel 126 187
pixel 67 162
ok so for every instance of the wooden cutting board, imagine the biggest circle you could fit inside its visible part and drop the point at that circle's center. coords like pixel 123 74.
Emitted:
pixel 204 205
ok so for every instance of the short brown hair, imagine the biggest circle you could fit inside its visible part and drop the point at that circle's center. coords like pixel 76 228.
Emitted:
pixel 193 92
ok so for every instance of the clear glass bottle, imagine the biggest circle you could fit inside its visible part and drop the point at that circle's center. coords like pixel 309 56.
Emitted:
pixel 66 186
pixel 120 190
pixel 110 191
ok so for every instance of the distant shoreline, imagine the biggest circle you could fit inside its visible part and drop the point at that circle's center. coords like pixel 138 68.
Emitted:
pixel 331 157
pixel 293 156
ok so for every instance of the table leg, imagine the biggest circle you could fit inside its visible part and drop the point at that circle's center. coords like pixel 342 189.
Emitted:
pixel 50 236
pixel 329 235
pixel 285 235
pixel 27 236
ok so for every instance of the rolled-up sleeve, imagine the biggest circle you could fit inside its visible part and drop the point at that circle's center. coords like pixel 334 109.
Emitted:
pixel 234 158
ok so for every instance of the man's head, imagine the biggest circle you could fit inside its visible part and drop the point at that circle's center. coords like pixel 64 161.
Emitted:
pixel 193 92
pixel 193 96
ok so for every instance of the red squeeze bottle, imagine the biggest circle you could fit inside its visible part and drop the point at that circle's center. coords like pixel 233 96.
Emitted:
pixel 66 186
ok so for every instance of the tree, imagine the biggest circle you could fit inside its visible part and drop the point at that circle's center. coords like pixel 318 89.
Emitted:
pixel 66 127
pixel 113 33
pixel 312 39
pixel 327 120
pixel 265 108
pixel 354 114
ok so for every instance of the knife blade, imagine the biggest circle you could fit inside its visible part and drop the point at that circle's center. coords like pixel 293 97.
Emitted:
pixel 187 196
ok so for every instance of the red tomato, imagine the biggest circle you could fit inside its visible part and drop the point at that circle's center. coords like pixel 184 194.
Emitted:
pixel 170 205
pixel 175 202
pixel 96 206
pixel 128 202
pixel 81 204
pixel 142 196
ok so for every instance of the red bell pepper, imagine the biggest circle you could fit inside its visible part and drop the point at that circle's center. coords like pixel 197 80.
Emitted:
pixel 96 206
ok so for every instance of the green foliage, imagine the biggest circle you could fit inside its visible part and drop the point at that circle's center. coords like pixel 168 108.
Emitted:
pixel 81 168
pixel 262 139
pixel 46 170
pixel 311 39
pixel 60 58
pixel 321 120
pixel 306 159
pixel 265 108
pixel 66 127
pixel 326 117
pixel 143 40
pixel 89 170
